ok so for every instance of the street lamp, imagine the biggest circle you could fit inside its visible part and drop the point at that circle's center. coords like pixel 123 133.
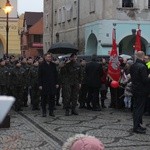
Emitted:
pixel 7 9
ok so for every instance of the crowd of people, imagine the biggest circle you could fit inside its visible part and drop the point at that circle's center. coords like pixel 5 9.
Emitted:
pixel 78 83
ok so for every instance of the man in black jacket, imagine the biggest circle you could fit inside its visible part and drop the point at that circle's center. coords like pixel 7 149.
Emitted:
pixel 147 105
pixel 140 81
pixel 48 82
pixel 93 75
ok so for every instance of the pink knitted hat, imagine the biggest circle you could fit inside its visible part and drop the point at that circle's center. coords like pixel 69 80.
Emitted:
pixel 83 142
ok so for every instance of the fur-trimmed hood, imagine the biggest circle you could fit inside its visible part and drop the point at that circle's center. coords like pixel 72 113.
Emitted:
pixel 83 142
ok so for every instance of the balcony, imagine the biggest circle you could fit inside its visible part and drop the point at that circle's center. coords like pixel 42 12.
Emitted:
pixel 36 45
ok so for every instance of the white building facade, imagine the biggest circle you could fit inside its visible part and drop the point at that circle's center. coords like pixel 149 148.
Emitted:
pixel 88 24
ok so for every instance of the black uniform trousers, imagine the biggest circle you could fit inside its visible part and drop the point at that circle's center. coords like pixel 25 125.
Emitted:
pixel 147 105
pixel 83 94
pixel 138 110
pixel 35 96
pixel 93 97
pixel 70 95
pixel 47 97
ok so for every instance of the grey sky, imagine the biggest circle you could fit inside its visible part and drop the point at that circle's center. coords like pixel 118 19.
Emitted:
pixel 30 5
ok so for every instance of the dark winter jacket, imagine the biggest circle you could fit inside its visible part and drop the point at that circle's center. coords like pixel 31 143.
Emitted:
pixel 94 72
pixel 139 78
pixel 48 77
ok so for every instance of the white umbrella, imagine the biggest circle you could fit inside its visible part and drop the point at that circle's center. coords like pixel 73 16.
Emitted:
pixel 5 102
pixel 124 56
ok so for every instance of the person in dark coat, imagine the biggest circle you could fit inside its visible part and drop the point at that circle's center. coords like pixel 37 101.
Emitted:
pixel 140 81
pixel 94 73
pixel 147 105
pixel 103 90
pixel 48 82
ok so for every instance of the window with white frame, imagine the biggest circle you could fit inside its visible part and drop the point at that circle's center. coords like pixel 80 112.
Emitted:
pixel 63 19
pixel 69 15
pixel 46 20
pixel 68 7
pixel 74 13
pixel 48 45
pixel 127 3
pixel 92 6
pixel 55 17
pixel 59 15
pixel 25 26
pixel 146 4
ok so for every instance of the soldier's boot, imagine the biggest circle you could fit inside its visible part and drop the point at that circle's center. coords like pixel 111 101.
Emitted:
pixel 82 105
pixel 89 107
pixel 57 103
pixel 18 106
pixel 43 113
pixel 102 103
pixel 51 113
pixel 74 111
pixel 67 112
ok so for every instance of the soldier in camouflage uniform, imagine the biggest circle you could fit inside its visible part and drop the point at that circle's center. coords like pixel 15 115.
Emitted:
pixel 33 77
pixel 26 64
pixel 84 88
pixel 70 81
pixel 4 73
pixel 40 60
pixel 10 64
pixel 57 97
pixel 18 79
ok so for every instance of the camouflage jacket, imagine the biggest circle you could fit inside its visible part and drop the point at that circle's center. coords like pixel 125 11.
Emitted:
pixel 71 73
pixel 33 76
pixel 18 76
pixel 4 74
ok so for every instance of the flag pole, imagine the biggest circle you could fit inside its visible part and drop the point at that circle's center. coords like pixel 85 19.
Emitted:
pixel 115 47
pixel 137 46
pixel 138 26
pixel 116 89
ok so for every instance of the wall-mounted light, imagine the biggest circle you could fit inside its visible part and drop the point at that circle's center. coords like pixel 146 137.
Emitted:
pixel 114 24
pixel 133 31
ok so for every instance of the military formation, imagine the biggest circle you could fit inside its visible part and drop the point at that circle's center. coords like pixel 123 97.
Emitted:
pixel 79 83
pixel 18 78
pixel 45 79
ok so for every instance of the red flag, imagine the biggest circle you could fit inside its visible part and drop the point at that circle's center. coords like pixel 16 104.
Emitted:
pixel 137 45
pixel 114 64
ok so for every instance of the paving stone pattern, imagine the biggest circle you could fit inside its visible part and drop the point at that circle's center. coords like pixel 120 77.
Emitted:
pixel 30 131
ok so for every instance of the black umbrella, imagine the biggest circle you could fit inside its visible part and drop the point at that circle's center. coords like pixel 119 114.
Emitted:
pixel 62 48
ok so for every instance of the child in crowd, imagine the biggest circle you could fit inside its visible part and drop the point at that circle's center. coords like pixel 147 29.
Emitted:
pixel 128 95
pixel 83 142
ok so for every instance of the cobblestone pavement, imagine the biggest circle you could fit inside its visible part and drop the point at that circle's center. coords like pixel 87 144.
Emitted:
pixel 30 131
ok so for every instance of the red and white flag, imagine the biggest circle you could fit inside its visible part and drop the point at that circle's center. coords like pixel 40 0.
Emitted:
pixel 137 45
pixel 114 64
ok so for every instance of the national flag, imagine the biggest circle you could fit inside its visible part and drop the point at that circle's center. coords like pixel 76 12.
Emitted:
pixel 114 64
pixel 137 45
